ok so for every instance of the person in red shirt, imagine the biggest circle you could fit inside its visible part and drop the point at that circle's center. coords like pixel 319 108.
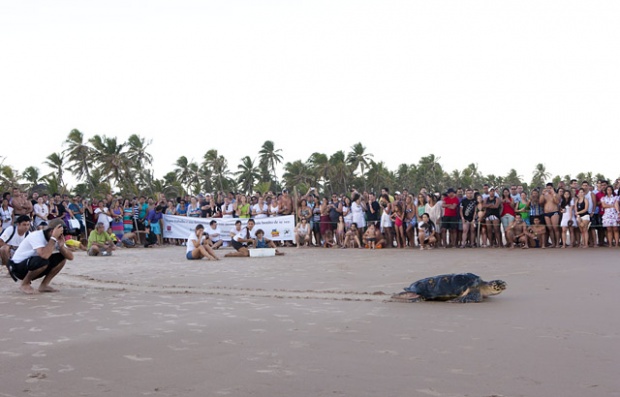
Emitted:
pixel 508 212
pixel 450 220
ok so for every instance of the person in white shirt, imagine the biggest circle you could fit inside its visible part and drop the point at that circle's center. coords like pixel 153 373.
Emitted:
pixel 260 209
pixel 242 240
pixel 35 257
pixel 12 237
pixel 228 208
pixel 41 212
pixel 196 247
pixel 215 235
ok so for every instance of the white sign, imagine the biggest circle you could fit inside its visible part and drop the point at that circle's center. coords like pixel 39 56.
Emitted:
pixel 276 228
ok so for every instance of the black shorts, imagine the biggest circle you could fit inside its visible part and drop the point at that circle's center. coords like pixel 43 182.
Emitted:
pixel 19 270
pixel 596 220
pixel 450 222
pixel 236 245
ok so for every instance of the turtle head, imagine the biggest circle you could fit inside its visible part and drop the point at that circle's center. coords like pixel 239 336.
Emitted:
pixel 494 287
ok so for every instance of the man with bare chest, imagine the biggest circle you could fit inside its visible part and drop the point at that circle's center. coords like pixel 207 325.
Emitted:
pixel 551 208
pixel 538 231
pixel 518 233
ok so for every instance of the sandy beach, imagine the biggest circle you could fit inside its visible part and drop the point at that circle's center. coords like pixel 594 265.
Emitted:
pixel 147 322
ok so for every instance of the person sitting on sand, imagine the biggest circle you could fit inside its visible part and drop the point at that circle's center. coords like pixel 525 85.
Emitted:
pixel 130 240
pixel 262 242
pixel 302 233
pixel 352 238
pixel 538 232
pixel 427 232
pixel 150 238
pixel 328 241
pixel 369 238
pixel 35 257
pixel 215 235
pixel 518 233
pixel 100 242
pixel 12 237
pixel 196 247
pixel 242 240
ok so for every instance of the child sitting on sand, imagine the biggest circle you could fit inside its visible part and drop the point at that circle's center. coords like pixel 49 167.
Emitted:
pixel 262 242
pixel 369 237
pixel 329 239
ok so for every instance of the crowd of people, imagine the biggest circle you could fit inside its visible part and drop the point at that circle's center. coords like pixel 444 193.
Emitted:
pixel 569 215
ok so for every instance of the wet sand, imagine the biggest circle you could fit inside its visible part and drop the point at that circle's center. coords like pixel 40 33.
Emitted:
pixel 315 323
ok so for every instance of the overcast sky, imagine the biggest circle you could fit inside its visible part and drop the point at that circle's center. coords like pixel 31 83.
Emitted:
pixel 503 84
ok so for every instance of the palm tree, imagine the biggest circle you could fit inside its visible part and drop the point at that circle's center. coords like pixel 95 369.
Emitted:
pixel 431 173
pixel 540 176
pixel 9 177
pixel 219 166
pixel 358 157
pixel 339 172
pixel 269 157
pixel 379 176
pixel 138 158
pixel 32 175
pixel 80 157
pixel 247 175
pixel 298 174
pixel 184 172
pixel 512 178
pixel 56 161
pixel 110 159
pixel 320 167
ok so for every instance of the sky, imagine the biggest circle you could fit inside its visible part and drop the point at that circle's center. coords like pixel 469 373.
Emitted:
pixel 502 84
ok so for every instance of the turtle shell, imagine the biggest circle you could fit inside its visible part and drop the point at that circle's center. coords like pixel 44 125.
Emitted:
pixel 445 286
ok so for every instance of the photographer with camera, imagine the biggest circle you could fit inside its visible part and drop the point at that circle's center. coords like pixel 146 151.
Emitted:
pixel 35 257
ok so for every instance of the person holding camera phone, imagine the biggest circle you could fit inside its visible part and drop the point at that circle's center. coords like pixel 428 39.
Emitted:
pixel 35 257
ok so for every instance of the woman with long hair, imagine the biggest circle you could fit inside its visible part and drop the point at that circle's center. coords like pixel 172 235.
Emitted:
pixel 568 218
pixel 583 217
pixel 411 218
pixel 492 219
pixel 117 225
pixel 609 202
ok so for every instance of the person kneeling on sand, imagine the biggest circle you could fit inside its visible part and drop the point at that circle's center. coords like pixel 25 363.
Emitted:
pixel 100 242
pixel 196 246
pixel 242 240
pixel 35 257
pixel 262 242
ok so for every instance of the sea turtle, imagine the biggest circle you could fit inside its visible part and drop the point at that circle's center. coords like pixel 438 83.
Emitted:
pixel 460 288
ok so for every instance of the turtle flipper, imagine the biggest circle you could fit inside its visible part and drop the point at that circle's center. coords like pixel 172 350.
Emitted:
pixel 406 297
pixel 470 297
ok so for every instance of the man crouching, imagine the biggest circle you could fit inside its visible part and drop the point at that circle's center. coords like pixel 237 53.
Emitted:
pixel 35 257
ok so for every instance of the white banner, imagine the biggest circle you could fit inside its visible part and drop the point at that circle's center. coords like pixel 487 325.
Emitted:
pixel 277 228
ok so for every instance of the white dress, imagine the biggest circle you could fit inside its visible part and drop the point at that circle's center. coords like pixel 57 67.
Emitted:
pixel 357 212
pixel 567 216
